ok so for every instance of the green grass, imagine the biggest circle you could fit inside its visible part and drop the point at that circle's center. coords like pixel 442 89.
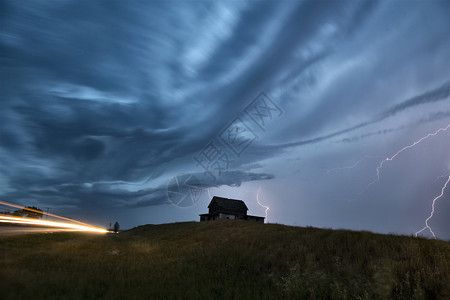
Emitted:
pixel 223 260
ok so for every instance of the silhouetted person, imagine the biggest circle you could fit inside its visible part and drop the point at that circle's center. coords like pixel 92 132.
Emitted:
pixel 116 227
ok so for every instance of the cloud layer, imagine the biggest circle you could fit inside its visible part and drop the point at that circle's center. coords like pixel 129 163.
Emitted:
pixel 102 103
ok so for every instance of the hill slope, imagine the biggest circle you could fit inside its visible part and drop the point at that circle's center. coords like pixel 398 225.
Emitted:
pixel 224 259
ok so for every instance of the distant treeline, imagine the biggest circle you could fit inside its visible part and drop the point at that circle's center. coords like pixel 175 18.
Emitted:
pixel 26 212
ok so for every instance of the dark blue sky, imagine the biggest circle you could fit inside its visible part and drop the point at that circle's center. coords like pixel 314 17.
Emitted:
pixel 104 103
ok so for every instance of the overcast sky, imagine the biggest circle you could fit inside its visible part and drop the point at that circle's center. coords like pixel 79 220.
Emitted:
pixel 107 105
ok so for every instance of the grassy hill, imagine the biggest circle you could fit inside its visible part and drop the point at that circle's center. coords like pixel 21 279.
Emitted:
pixel 223 260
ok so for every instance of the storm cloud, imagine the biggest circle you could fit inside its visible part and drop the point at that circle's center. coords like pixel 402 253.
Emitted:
pixel 104 102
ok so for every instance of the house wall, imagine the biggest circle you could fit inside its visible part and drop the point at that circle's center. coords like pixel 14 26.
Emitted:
pixel 214 208
pixel 226 216
pixel 257 219
pixel 230 216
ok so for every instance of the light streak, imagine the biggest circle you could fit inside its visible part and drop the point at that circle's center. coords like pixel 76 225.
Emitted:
pixel 266 207
pixel 432 210
pixel 400 151
pixel 353 165
pixel 33 221
pixel 40 212
pixel 56 224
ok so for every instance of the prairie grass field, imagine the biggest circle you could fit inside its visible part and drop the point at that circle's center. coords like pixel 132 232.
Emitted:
pixel 226 259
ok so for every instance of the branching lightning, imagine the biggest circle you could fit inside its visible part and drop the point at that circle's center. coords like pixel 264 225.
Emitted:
pixel 56 224
pixel 446 174
pixel 400 151
pixel 264 206
pixel 432 210
pixel 353 165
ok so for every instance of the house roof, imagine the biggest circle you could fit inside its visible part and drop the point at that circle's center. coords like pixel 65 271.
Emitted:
pixel 229 204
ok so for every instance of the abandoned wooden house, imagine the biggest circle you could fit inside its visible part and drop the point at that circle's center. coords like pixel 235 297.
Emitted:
pixel 224 208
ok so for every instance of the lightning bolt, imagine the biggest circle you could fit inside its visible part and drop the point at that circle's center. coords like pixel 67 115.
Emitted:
pixel 442 129
pixel 264 206
pixel 400 151
pixel 209 194
pixel 353 165
pixel 447 173
pixel 432 210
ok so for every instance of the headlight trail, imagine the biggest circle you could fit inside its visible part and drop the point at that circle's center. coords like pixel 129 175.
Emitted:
pixel 264 206
pixel 432 210
pixel 57 224
pixel 40 212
